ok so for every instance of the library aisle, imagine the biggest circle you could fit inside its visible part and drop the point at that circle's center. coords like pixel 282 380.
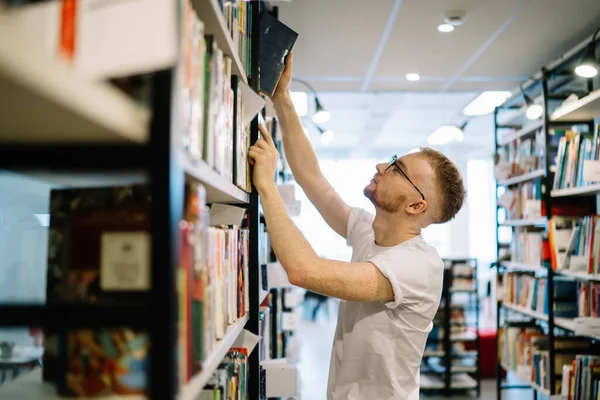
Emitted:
pixel 140 256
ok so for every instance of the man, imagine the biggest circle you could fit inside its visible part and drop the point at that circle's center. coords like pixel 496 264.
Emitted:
pixel 392 288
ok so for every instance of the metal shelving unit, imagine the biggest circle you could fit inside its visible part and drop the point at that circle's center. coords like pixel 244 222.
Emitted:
pixel 552 85
pixel 90 129
pixel 445 369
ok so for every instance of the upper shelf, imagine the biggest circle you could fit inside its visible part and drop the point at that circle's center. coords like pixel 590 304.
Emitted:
pixel 211 15
pixel 43 100
pixel 585 109
pixel 538 173
pixel 526 130
pixel 590 190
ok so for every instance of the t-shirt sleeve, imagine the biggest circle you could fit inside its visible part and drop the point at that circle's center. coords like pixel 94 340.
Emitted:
pixel 360 226
pixel 409 273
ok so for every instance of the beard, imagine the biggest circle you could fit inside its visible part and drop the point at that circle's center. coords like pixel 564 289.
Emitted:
pixel 389 204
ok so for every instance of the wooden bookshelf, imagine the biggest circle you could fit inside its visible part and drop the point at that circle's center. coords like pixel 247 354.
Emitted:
pixel 538 173
pixel 211 363
pixel 585 109
pixel 61 106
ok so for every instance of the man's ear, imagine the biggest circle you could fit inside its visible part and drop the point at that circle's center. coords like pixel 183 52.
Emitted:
pixel 418 207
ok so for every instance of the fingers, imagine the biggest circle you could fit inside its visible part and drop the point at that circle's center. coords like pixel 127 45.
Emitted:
pixel 288 64
pixel 261 144
pixel 266 135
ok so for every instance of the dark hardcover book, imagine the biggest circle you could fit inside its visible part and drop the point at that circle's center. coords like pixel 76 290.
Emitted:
pixel 276 42
pixel 99 245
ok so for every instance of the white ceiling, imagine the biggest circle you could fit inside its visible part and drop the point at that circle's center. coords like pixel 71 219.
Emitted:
pixel 357 60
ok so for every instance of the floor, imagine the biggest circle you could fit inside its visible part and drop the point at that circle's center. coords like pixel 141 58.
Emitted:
pixel 315 340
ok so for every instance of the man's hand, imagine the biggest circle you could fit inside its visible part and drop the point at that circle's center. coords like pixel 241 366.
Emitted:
pixel 283 87
pixel 263 157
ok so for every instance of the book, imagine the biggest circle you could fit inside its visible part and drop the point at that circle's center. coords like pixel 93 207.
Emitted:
pixel 99 245
pixel 104 362
pixel 276 41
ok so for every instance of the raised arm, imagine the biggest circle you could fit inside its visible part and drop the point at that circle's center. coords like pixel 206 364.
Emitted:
pixel 303 161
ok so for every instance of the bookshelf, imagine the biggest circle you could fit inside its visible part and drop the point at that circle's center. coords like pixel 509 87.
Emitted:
pixel 73 131
pixel 546 292
pixel 451 362
pixel 68 108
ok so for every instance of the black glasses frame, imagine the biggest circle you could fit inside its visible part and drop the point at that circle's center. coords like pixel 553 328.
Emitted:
pixel 394 164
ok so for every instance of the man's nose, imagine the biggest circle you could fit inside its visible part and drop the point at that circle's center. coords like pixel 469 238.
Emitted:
pixel 381 168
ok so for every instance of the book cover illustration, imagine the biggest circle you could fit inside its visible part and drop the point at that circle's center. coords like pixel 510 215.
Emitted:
pixel 98 244
pixel 104 362
pixel 276 42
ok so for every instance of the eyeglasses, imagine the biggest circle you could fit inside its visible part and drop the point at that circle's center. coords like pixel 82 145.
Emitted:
pixel 394 164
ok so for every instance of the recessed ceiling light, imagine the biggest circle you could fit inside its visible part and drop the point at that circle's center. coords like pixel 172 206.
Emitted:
pixel 486 102
pixel 413 77
pixel 445 28
pixel 445 134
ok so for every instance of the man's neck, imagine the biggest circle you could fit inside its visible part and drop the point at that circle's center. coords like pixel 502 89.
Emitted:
pixel 393 229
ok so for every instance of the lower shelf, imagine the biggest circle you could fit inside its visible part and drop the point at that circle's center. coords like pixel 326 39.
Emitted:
pixel 533 385
pixel 194 386
pixel 31 386
pixel 457 381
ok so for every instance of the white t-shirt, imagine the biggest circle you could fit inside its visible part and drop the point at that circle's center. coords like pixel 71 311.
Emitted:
pixel 378 346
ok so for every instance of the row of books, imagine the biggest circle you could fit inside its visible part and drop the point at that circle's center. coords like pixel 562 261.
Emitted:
pixel 212 99
pixel 526 247
pixel 575 243
pixel 581 378
pixel 588 297
pixel 524 350
pixel 230 380
pixel 523 201
pixel 213 281
pixel 519 157
pixel 238 16
pixel 576 157
pixel 530 292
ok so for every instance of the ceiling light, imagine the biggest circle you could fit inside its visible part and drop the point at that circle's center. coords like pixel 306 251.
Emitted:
pixel 327 137
pixel 445 134
pixel 413 77
pixel 589 65
pixel 586 71
pixel 534 111
pixel 486 102
pixel 321 115
pixel 300 100
pixel 445 28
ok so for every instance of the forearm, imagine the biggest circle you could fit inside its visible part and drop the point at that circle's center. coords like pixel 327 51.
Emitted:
pixel 291 248
pixel 304 268
pixel 299 151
